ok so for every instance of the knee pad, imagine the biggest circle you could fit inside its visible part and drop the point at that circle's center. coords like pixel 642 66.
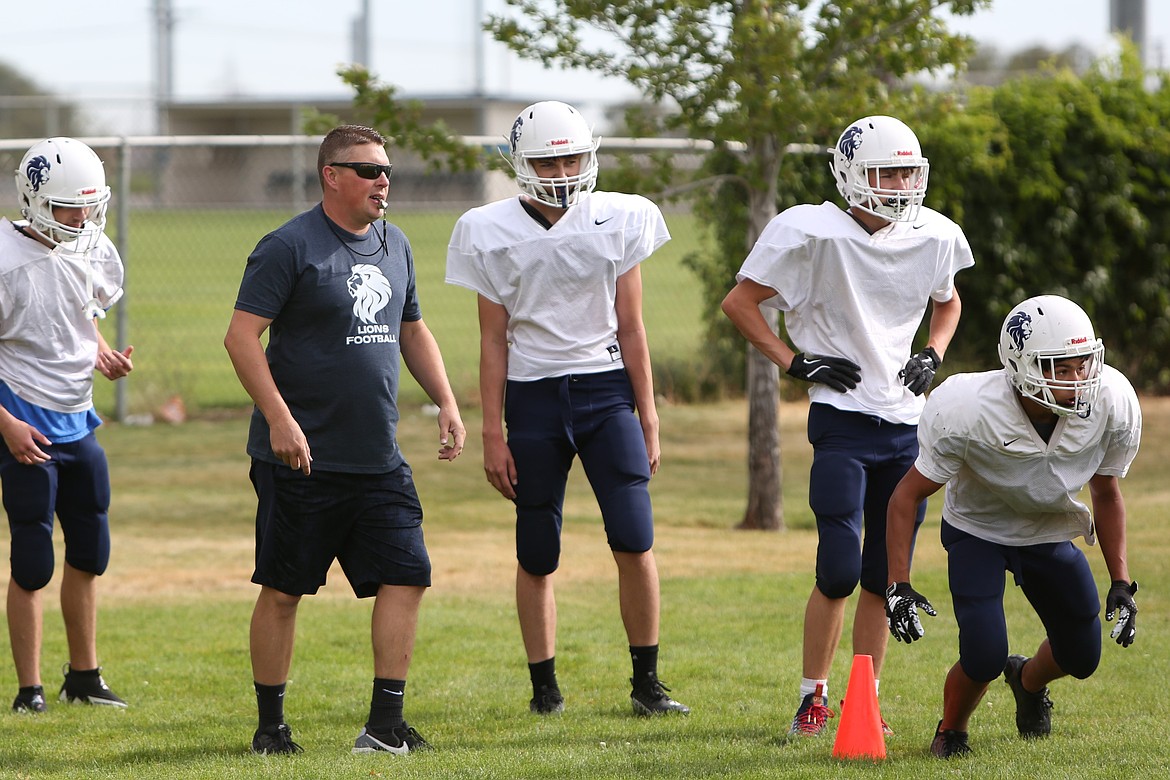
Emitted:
pixel 838 565
pixel 836 588
pixel 32 574
pixel 983 667
pixel 538 542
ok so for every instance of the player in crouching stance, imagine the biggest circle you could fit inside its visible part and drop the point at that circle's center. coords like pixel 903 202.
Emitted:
pixel 59 273
pixel 564 362
pixel 1015 447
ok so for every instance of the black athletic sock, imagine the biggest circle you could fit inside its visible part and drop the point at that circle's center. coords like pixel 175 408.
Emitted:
pixel 544 675
pixel 270 703
pixel 386 706
pixel 645 660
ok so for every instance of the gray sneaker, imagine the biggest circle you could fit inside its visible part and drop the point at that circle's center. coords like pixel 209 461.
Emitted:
pixel 401 740
pixel 1033 710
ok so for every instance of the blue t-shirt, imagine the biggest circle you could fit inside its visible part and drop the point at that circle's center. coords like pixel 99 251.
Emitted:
pixel 58 427
pixel 337 301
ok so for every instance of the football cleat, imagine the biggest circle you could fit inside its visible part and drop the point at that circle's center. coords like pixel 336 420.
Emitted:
pixel 813 714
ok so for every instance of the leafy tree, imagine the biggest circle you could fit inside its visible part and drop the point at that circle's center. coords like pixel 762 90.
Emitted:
pixel 766 74
pixel 1063 184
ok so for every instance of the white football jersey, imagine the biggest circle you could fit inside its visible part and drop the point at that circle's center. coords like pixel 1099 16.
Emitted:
pixel 558 284
pixel 48 345
pixel 847 293
pixel 1005 483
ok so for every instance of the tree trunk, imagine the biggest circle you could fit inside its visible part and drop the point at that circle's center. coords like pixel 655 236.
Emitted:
pixel 765 507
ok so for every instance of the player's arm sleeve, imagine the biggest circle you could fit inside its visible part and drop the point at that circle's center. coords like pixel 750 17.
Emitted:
pixel 108 273
pixel 1126 432
pixel 954 255
pixel 941 448
pixel 644 235
pixel 781 263
pixel 466 264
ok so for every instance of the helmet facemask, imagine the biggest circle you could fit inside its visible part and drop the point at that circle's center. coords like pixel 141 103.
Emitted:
pixel 553 129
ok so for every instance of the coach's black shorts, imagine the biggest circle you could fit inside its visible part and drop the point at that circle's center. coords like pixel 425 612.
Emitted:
pixel 370 523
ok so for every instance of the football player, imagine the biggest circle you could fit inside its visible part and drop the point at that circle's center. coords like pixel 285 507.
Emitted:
pixel 853 285
pixel 1015 447
pixel 565 365
pixel 59 273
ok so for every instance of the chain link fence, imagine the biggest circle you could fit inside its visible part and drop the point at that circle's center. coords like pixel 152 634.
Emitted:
pixel 187 211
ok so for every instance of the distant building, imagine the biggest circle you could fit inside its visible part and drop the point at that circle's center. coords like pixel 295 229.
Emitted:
pixel 259 174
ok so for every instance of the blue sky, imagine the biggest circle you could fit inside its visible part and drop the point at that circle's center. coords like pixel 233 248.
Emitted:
pixel 279 48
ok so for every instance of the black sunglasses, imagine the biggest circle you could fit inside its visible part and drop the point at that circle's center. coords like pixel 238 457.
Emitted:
pixel 369 171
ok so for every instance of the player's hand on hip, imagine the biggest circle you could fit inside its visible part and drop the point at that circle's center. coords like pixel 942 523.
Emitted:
pixel 902 604
pixel 1120 602
pixel 840 374
pixel 919 371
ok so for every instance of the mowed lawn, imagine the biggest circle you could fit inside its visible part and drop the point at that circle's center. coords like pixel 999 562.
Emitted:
pixel 176 602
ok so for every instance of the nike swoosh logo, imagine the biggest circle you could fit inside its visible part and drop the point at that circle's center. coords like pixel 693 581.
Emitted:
pixel 916 227
pixel 1010 442
pixel 392 693
pixel 602 221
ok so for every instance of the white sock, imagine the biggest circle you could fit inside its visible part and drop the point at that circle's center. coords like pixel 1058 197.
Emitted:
pixel 808 686
pixel 877 687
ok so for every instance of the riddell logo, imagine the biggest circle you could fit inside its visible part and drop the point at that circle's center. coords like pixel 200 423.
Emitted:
pixel 903 153
pixel 88 191
pixel 560 142
pixel 1079 340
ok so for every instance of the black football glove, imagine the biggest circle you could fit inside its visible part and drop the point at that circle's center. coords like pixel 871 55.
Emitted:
pixel 838 373
pixel 1120 601
pixel 919 370
pixel 902 603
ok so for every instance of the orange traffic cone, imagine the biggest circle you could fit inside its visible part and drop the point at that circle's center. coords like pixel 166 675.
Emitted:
pixel 859 734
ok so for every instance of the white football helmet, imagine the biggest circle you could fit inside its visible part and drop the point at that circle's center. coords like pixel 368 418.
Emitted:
pixel 1038 333
pixel 868 146
pixel 63 172
pixel 553 129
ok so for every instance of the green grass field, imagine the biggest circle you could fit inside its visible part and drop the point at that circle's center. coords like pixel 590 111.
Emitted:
pixel 175 605
pixel 184 268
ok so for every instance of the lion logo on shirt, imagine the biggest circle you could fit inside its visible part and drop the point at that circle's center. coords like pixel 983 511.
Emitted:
pixel 370 291
pixel 1019 329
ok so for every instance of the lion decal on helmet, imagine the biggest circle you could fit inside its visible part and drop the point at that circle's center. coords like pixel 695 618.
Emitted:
pixel 370 291
pixel 37 172
pixel 1019 328
pixel 850 141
